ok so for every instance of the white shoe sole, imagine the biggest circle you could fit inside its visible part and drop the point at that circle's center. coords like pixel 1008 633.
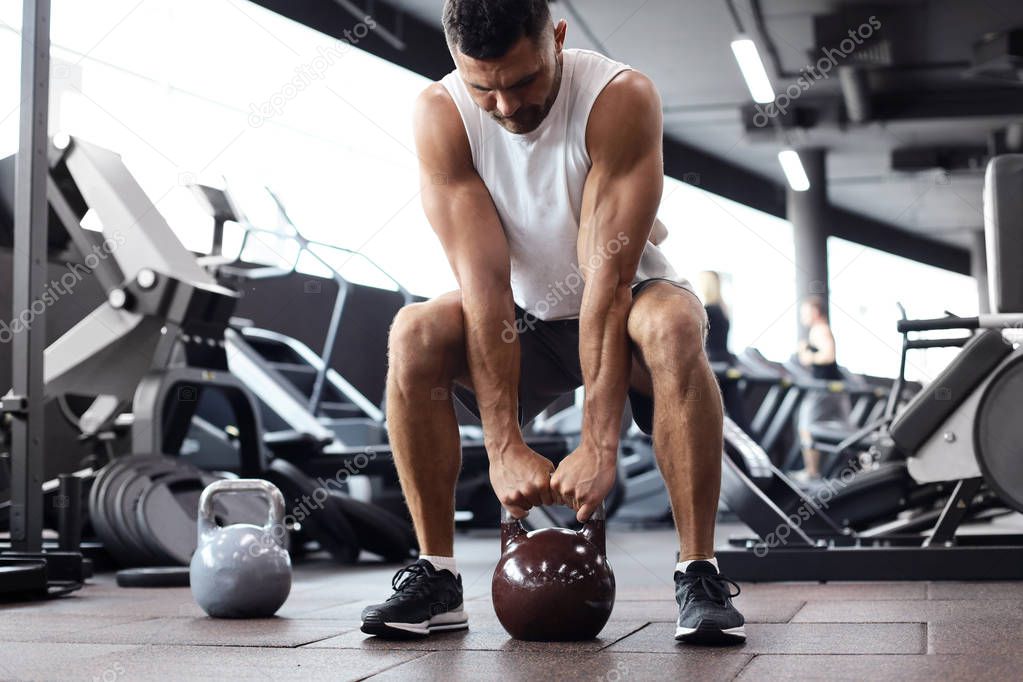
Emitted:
pixel 449 620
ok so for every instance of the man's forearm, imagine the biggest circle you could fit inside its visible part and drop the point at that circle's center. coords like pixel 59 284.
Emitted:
pixel 605 361
pixel 492 348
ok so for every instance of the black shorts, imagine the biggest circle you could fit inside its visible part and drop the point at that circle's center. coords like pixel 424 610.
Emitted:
pixel 549 365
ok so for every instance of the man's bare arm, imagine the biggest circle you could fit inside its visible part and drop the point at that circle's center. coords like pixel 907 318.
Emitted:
pixel 461 211
pixel 620 200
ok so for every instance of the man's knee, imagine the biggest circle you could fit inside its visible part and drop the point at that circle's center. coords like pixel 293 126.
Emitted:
pixel 425 340
pixel 670 338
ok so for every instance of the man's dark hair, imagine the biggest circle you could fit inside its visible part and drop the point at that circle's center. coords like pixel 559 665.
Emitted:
pixel 487 29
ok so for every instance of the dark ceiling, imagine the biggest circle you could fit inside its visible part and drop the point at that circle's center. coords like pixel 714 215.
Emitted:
pixel 906 146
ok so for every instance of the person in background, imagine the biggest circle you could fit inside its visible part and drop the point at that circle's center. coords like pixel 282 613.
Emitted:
pixel 817 353
pixel 708 284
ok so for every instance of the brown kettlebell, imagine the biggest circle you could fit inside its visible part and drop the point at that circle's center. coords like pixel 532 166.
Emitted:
pixel 553 584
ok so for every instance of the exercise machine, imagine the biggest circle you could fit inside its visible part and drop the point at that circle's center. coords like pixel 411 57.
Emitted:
pixel 961 430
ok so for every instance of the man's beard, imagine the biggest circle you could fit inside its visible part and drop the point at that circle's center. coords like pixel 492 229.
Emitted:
pixel 528 119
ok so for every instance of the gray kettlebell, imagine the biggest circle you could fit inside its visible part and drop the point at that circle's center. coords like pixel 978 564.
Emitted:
pixel 241 570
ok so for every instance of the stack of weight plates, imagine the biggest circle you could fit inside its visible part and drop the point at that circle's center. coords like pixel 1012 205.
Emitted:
pixel 144 507
pixel 339 524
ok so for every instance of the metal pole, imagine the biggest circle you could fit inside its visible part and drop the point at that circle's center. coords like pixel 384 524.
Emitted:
pixel 28 323
pixel 807 211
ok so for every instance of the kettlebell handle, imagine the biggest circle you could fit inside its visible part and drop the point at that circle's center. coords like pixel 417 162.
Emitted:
pixel 268 490
pixel 593 530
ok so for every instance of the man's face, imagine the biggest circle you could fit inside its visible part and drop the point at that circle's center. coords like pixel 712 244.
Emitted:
pixel 519 88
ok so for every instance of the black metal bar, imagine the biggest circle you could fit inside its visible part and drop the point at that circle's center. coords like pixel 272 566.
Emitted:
pixel 766 410
pixel 327 355
pixel 956 509
pixel 757 510
pixel 31 218
pixel 997 562
pixel 917 344
pixel 782 418
pixel 949 322
pixel 69 513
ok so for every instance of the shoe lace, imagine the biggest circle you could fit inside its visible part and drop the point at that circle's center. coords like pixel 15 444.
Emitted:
pixel 411 581
pixel 713 588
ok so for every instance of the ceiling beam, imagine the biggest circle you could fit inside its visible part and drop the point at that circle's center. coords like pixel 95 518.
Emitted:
pixel 424 50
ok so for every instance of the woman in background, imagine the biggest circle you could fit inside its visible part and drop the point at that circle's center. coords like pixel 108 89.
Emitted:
pixel 817 353
pixel 708 284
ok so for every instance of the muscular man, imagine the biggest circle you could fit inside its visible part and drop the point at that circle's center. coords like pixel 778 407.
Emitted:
pixel 541 174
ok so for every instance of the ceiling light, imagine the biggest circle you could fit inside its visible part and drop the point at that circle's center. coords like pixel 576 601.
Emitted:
pixel 752 67
pixel 793 169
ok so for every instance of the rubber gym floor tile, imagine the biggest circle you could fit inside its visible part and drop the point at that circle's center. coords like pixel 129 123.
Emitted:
pixel 801 638
pixel 142 603
pixel 909 611
pixel 761 611
pixel 835 591
pixel 1000 636
pixel 902 668
pixel 46 660
pixel 268 632
pixel 640 592
pixel 177 663
pixel 998 590
pixel 666 610
pixel 503 666
pixel 482 635
pixel 36 626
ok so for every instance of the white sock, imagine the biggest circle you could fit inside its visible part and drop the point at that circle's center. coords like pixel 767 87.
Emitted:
pixel 683 565
pixel 441 563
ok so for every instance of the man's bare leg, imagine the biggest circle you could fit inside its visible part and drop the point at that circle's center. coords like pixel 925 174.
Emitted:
pixel 667 326
pixel 426 353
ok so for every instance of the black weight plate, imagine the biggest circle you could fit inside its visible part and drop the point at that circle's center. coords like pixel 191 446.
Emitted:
pixel 170 576
pixel 99 525
pixel 126 490
pixel 103 524
pixel 998 435
pixel 113 488
pixel 167 514
pixel 378 530
pixel 23 578
pixel 328 524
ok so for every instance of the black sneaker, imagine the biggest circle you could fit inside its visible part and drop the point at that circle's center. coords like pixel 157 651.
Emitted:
pixel 425 600
pixel 705 611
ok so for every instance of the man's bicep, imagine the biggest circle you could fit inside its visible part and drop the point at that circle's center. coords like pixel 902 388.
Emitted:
pixel 455 199
pixel 619 209
pixel 623 188
pixel 466 222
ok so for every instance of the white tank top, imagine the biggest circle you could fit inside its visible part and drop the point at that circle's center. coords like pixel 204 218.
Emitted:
pixel 536 181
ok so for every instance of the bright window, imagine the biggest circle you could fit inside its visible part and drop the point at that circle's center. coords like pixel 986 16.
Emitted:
pixel 867 284
pixel 751 250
